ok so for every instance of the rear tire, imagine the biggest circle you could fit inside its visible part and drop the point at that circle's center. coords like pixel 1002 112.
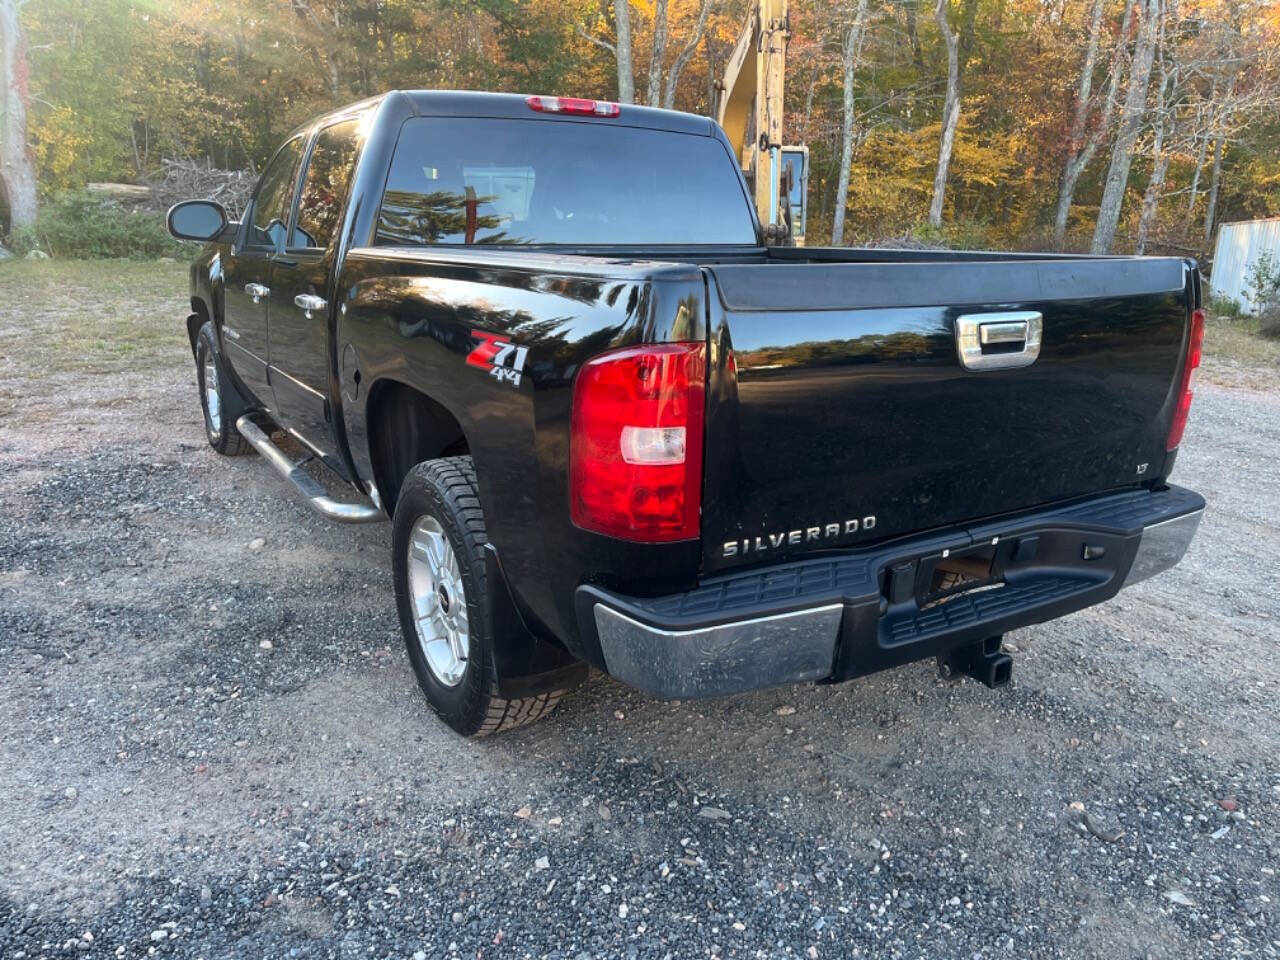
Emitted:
pixel 437 541
pixel 211 378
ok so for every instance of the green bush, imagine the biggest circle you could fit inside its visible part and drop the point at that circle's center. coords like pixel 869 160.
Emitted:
pixel 1269 319
pixel 1263 280
pixel 1225 308
pixel 78 225
pixel 955 235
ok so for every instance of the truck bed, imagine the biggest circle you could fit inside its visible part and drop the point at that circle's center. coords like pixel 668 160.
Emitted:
pixel 836 392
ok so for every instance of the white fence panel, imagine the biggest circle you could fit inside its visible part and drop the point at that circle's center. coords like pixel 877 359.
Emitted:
pixel 1239 246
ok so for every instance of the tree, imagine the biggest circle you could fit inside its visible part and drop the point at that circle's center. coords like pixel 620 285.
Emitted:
pixel 685 55
pixel 1215 182
pixel 1084 144
pixel 622 51
pixel 620 48
pixel 1035 99
pixel 851 52
pixel 950 114
pixel 17 173
pixel 657 50
pixel 1164 128
pixel 658 92
pixel 1131 117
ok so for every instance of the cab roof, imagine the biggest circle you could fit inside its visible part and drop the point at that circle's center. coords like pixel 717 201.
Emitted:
pixel 470 103
pixel 474 103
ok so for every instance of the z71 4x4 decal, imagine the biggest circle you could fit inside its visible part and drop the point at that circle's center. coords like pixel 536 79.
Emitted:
pixel 503 360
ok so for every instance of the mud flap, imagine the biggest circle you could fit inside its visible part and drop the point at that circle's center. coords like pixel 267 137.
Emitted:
pixel 526 664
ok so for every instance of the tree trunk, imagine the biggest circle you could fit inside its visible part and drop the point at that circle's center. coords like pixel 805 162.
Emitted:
pixel 685 55
pixel 1211 211
pixel 17 173
pixel 807 125
pixel 851 53
pixel 1201 153
pixel 950 114
pixel 1164 126
pixel 1079 121
pixel 714 71
pixel 913 34
pixel 622 50
pixel 1151 199
pixel 1073 169
pixel 653 96
pixel 120 191
pixel 1135 103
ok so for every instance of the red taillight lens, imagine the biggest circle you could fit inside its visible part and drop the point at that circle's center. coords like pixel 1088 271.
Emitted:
pixel 635 447
pixel 576 105
pixel 1186 392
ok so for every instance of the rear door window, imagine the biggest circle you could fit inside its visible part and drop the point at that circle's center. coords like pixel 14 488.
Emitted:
pixel 324 188
pixel 274 195
pixel 543 181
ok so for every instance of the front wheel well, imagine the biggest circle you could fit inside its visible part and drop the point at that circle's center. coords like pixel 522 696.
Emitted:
pixel 407 427
pixel 199 317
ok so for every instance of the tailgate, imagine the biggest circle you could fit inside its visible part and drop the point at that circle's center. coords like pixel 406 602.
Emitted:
pixel 852 417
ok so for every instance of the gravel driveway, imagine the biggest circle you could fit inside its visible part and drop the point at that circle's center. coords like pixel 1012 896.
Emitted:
pixel 213 745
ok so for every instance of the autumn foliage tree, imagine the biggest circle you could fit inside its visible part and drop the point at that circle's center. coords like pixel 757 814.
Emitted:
pixel 1004 123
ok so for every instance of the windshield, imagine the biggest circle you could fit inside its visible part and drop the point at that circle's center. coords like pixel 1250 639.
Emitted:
pixel 540 181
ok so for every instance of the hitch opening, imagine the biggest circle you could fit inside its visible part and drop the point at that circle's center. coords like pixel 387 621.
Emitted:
pixel 982 661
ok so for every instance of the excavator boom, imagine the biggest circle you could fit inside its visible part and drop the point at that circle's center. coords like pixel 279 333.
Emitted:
pixel 750 109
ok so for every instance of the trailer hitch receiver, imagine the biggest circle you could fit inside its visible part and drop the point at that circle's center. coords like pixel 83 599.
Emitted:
pixel 982 661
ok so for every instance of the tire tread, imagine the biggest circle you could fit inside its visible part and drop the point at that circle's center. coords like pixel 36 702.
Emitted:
pixel 454 478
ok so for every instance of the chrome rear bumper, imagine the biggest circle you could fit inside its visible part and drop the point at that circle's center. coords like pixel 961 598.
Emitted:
pixel 740 655
pixel 840 616
pixel 1163 546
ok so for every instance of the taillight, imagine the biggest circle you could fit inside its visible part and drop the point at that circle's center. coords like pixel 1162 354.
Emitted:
pixel 576 105
pixel 1186 388
pixel 635 446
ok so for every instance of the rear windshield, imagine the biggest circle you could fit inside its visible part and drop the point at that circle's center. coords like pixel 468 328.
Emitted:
pixel 543 181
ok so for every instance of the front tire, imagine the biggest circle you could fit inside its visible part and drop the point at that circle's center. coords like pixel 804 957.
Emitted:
pixel 210 376
pixel 437 540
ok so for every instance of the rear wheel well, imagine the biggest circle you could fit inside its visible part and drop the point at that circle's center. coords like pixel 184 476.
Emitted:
pixel 407 427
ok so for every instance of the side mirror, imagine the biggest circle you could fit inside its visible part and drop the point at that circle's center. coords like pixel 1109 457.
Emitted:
pixel 196 220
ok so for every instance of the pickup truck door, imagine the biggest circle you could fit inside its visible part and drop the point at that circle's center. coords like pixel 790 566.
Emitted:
pixel 248 272
pixel 301 291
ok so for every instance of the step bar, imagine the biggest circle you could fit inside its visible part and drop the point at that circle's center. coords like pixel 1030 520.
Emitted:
pixel 304 483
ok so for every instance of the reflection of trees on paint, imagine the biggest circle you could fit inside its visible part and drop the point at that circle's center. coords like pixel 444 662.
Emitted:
pixel 440 216
pixel 901 346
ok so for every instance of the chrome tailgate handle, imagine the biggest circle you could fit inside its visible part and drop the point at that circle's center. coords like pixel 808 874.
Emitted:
pixel 1000 340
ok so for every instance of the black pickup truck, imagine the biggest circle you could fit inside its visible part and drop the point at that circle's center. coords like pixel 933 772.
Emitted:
pixel 611 427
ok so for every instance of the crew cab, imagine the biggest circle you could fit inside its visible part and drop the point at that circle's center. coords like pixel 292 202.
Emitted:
pixel 611 427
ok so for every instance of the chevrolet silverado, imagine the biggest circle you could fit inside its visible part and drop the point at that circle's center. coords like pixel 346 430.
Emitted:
pixel 611 427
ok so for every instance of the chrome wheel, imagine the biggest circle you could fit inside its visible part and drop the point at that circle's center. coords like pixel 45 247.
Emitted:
pixel 439 601
pixel 212 397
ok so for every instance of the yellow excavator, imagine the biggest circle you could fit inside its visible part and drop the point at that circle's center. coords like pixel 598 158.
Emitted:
pixel 749 108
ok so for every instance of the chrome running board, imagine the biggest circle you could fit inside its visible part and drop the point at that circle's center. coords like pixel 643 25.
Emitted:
pixel 304 483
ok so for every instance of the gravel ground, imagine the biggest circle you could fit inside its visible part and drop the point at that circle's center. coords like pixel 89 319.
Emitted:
pixel 214 747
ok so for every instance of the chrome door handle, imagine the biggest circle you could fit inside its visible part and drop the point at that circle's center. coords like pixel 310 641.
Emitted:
pixel 308 302
pixel 1002 340
pixel 256 291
